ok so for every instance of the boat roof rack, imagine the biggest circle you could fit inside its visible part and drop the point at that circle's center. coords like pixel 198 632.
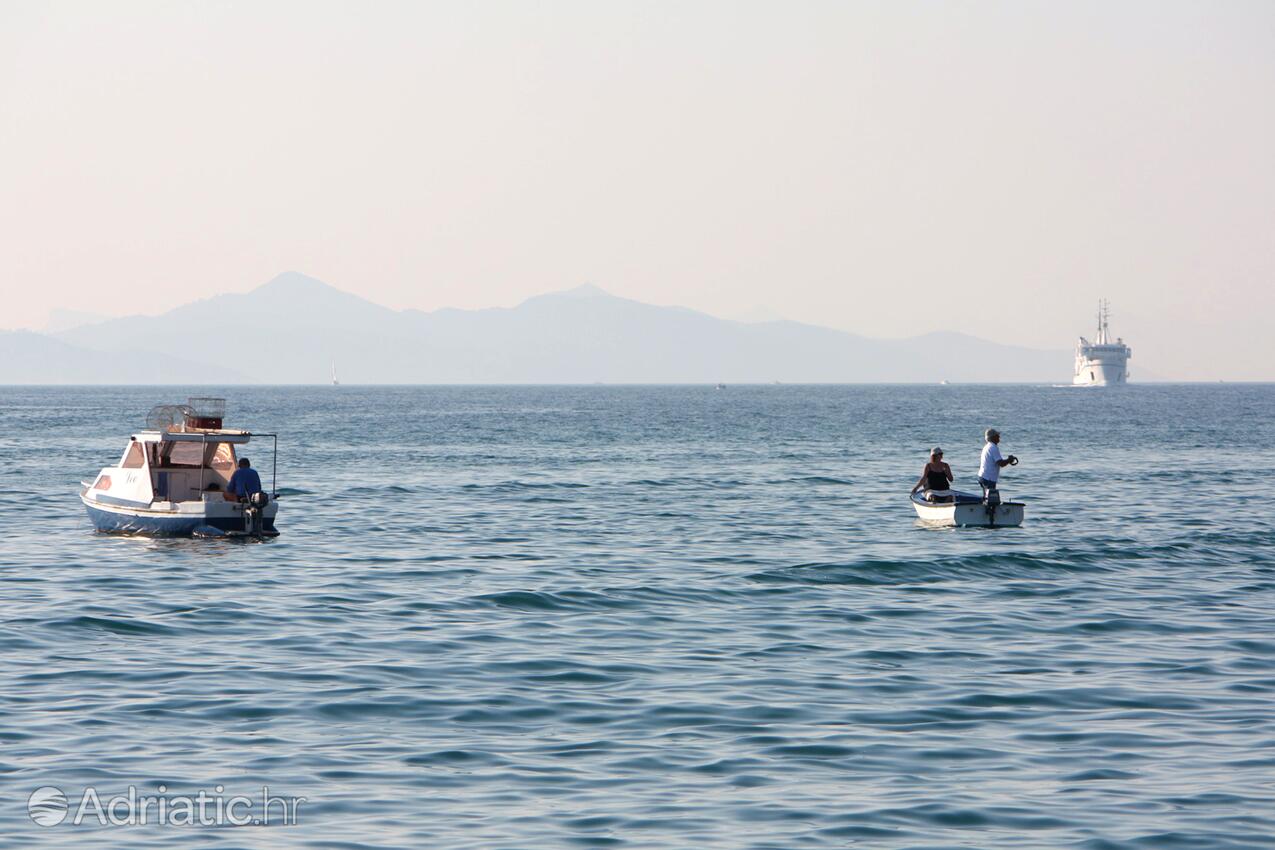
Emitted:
pixel 200 413
pixel 207 406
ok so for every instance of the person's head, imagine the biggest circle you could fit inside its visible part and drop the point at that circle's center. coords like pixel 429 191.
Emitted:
pixel 243 463
pixel 936 455
pixel 993 436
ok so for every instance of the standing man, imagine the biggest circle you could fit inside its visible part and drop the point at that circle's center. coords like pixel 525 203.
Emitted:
pixel 989 468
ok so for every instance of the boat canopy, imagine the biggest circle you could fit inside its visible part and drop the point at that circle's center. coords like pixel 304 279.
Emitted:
pixel 219 436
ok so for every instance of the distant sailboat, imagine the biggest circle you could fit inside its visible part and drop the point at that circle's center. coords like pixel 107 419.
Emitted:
pixel 335 382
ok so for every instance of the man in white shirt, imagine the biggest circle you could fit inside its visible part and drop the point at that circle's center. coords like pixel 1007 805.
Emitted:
pixel 989 467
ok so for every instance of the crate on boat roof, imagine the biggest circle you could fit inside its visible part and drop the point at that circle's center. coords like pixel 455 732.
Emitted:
pixel 206 412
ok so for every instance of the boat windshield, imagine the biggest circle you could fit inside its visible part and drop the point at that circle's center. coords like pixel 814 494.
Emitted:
pixel 223 458
pixel 135 458
pixel 183 454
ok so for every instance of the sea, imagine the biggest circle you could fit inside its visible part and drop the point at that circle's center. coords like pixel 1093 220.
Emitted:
pixel 651 617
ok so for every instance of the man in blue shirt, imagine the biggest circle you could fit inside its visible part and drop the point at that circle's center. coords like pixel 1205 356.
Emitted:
pixel 244 482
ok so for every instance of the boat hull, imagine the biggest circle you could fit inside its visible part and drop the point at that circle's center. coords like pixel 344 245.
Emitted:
pixel 184 520
pixel 1101 373
pixel 969 511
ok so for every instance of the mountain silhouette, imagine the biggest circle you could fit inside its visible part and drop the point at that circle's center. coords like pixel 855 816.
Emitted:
pixel 290 329
pixel 32 358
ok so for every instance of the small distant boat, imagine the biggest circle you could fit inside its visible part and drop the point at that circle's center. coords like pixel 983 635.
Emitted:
pixel 968 510
pixel 171 480
pixel 944 382
pixel 335 382
pixel 721 386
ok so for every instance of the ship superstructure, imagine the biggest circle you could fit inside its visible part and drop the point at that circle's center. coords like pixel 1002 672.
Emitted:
pixel 1103 361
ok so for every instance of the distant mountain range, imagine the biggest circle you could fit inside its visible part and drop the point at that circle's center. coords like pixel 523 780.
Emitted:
pixel 291 329
pixel 33 358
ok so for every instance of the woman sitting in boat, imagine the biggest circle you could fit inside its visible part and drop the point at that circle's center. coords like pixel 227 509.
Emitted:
pixel 936 478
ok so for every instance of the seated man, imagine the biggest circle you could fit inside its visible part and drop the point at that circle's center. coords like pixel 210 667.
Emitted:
pixel 243 483
pixel 936 478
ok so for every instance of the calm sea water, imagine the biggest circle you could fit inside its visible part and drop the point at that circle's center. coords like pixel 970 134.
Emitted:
pixel 666 617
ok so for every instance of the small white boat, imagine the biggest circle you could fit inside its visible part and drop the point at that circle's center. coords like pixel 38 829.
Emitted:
pixel 968 509
pixel 171 480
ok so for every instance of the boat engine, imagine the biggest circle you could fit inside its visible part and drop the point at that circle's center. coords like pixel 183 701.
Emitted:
pixel 991 501
pixel 254 514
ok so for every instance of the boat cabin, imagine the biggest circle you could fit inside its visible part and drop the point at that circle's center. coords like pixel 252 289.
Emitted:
pixel 188 457
pixel 173 467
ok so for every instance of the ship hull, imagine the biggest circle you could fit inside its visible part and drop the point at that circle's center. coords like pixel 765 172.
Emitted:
pixel 183 520
pixel 1099 373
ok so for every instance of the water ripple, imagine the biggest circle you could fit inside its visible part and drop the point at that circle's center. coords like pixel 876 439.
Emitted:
pixel 660 617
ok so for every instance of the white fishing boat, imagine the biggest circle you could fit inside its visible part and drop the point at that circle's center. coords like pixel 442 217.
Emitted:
pixel 968 509
pixel 172 479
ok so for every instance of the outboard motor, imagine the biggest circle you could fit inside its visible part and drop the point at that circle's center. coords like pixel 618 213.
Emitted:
pixel 254 514
pixel 992 500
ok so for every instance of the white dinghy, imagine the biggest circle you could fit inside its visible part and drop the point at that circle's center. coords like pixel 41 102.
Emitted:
pixel 968 509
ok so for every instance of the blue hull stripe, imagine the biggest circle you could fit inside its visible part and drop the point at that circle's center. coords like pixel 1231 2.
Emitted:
pixel 115 500
pixel 163 526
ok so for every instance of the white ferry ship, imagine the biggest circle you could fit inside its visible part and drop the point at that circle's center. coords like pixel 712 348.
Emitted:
pixel 1102 362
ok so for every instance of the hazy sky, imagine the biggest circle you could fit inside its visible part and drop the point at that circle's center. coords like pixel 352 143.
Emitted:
pixel 887 168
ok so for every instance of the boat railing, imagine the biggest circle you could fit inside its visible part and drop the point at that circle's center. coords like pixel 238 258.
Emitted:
pixel 274 464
